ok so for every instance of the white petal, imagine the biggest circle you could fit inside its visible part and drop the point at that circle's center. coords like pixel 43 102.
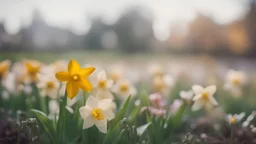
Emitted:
pixel 183 94
pixel 103 93
pixel 211 89
pixel 197 89
pixel 240 116
pixel 101 125
pixel 197 105
pixel 109 114
pixel 133 91
pixel 85 111
pixel 105 104
pixel 101 75
pixel 196 97
pixel 109 83
pixel 92 102
pixel 213 101
pixel 88 122
pixel 168 80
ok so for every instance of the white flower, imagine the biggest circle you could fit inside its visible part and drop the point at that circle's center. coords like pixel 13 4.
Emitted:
pixel 54 109
pixel 97 112
pixel 102 86
pixel 54 106
pixel 124 88
pixel 156 70
pixel 234 82
pixel 48 85
pixel 163 84
pixel 60 65
pixel 187 95
pixel 232 119
pixel 116 72
pixel 10 83
pixel 203 97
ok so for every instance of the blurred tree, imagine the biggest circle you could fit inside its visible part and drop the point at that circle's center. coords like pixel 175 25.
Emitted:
pixel 205 35
pixel 250 20
pixel 134 30
pixel 93 37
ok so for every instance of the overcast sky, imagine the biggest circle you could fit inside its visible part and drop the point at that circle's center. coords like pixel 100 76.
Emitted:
pixel 72 13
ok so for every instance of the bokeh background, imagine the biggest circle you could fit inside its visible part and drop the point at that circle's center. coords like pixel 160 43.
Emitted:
pixel 198 32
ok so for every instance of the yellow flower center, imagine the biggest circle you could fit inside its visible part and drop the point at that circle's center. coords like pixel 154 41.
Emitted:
pixel 236 81
pixel 205 96
pixel 115 76
pixel 102 84
pixel 75 77
pixel 158 84
pixel 232 120
pixel 32 70
pixel 50 85
pixel 124 87
pixel 98 114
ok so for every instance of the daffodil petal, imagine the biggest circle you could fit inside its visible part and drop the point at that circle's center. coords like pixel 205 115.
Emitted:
pixel 101 125
pixel 211 89
pixel 85 72
pixel 92 102
pixel 197 105
pixel 72 89
pixel 85 111
pixel 109 114
pixel 85 85
pixel 213 101
pixel 62 76
pixel 197 89
pixel 73 67
pixel 101 76
pixel 105 104
pixel 88 122
pixel 196 97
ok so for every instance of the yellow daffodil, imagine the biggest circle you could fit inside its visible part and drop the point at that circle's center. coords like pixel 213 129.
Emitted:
pixel 76 77
pixel 33 68
pixel 4 68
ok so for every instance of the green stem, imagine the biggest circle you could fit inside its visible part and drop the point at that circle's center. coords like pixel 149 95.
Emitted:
pixel 58 93
pixel 232 132
pixel 84 95
pixel 43 104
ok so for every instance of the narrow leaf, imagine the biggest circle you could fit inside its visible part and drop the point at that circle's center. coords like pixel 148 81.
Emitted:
pixel 46 124
pixel 142 129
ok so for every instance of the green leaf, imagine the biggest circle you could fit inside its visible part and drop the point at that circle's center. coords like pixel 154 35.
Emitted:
pixel 122 111
pixel 143 128
pixel 115 122
pixel 62 121
pixel 46 124
pixel 176 119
